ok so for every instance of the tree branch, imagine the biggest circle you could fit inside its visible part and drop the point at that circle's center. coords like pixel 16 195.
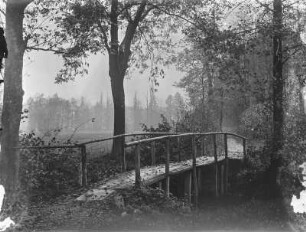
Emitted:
pixel 125 45
pixel 104 37
pixel 178 16
pixel 264 5
pixel 128 6
pixel 45 49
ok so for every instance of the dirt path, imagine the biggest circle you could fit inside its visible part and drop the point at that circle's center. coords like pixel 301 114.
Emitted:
pixel 147 212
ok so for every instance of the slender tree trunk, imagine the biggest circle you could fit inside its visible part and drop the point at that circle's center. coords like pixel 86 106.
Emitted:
pixel 278 110
pixel 204 116
pixel 13 95
pixel 301 100
pixel 221 110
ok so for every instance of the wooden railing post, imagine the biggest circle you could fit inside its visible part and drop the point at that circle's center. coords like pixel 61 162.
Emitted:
pixel 137 167
pixel 226 171
pixel 216 165
pixel 202 146
pixel 83 173
pixel 123 154
pixel 194 171
pixel 153 153
pixel 179 149
pixel 244 149
pixel 167 189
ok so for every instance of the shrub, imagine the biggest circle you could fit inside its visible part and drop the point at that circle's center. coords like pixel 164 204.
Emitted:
pixel 256 121
pixel 47 172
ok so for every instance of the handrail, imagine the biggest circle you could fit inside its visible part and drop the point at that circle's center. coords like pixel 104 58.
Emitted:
pixel 181 135
pixel 194 157
pixel 92 141
pixel 49 146
pixel 126 135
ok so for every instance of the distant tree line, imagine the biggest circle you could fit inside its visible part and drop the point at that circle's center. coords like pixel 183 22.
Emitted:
pixel 46 114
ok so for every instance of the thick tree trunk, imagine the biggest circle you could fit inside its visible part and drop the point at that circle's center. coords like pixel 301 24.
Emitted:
pixel 118 63
pixel 278 110
pixel 13 95
pixel 119 111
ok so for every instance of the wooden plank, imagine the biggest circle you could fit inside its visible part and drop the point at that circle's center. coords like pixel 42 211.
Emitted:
pixel 226 171
pixel 167 187
pixel 194 171
pixel 153 153
pixel 137 167
pixel 216 166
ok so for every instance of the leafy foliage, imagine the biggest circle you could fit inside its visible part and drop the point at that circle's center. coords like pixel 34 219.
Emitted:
pixel 256 122
pixel 47 172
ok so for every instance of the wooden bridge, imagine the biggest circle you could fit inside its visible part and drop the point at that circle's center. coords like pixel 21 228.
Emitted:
pixel 179 154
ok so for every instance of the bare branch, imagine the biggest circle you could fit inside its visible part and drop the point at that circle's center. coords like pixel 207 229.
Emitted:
pixel 2 12
pixel 264 5
pixel 59 51
pixel 178 16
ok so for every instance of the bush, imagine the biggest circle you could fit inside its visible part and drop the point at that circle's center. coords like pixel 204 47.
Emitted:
pixel 250 180
pixel 47 172
pixel 256 121
pixel 102 167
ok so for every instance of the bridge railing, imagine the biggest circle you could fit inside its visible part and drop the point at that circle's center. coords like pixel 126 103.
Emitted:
pixel 83 151
pixel 196 138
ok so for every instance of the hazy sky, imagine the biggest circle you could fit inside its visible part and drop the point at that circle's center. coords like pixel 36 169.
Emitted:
pixel 40 70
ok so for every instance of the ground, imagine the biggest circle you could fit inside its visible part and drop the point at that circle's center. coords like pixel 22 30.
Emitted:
pixel 148 209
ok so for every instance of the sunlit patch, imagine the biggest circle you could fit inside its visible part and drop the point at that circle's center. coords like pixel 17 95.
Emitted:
pixel 8 222
pixel 299 205
pixel 303 37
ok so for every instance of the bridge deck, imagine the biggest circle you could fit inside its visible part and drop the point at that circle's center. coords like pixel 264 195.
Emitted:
pixel 149 175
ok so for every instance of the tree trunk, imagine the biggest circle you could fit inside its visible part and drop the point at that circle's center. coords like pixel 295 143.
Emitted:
pixel 13 95
pixel 301 100
pixel 119 110
pixel 221 110
pixel 118 64
pixel 278 111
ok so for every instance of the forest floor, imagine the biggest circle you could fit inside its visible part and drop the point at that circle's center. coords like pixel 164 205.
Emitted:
pixel 149 210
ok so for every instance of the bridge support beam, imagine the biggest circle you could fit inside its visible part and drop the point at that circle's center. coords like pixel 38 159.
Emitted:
pixel 226 164
pixel 167 188
pixel 188 185
pixel 194 172
pixel 160 184
pixel 222 183
pixel 216 166
pixel 83 167
pixel 199 175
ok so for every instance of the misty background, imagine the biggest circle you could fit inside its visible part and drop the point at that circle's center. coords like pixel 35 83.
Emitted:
pixel 91 97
